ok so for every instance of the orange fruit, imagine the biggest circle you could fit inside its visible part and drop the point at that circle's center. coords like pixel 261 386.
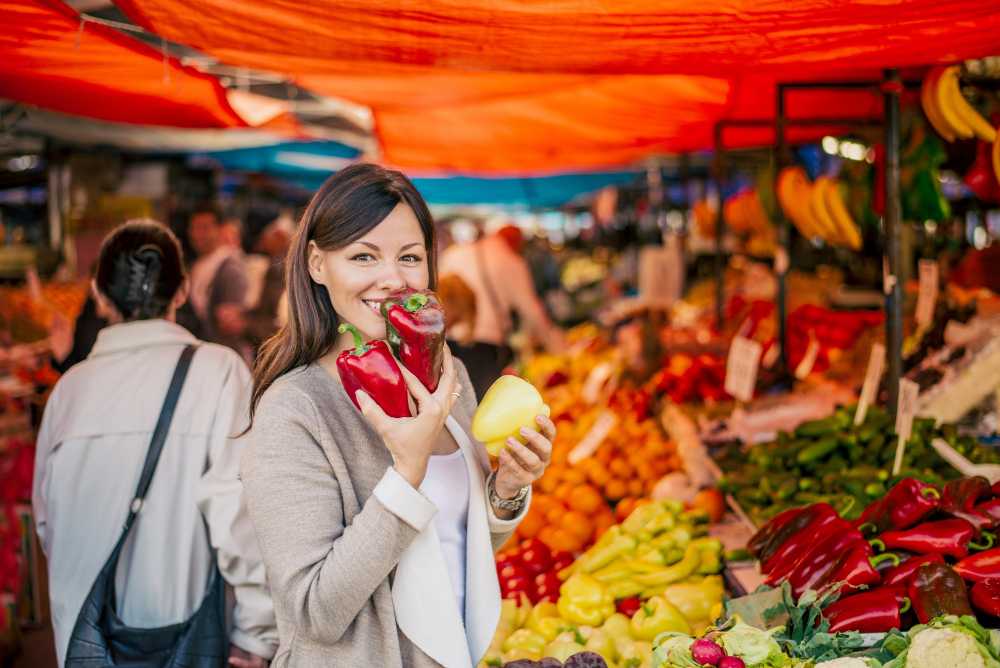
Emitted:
pixel 602 523
pixel 563 540
pixel 532 523
pixel 543 502
pixel 585 499
pixel 555 471
pixel 620 468
pixel 555 515
pixel 546 535
pixel 548 484
pixel 645 471
pixel 575 476
pixel 604 455
pixel 578 524
pixel 636 487
pixel 564 490
pixel 616 489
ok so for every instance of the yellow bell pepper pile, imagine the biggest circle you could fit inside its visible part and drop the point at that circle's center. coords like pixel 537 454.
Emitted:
pixel 660 554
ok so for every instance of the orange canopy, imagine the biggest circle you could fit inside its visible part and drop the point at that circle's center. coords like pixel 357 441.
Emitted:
pixel 51 59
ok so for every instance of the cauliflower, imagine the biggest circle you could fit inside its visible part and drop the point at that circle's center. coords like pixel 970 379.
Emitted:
pixel 846 662
pixel 936 648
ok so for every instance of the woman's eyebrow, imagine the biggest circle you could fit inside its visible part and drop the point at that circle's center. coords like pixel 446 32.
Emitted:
pixel 415 243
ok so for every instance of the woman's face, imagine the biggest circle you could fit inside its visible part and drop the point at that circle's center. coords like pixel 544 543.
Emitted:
pixel 359 276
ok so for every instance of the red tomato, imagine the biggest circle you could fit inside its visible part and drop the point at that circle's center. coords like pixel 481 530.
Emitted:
pixel 628 606
pixel 536 556
pixel 511 570
pixel 561 560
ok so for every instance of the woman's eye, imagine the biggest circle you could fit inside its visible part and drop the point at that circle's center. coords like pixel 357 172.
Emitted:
pixel 411 259
pixel 363 257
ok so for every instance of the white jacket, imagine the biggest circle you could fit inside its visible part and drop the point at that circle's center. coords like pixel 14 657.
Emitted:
pixel 91 448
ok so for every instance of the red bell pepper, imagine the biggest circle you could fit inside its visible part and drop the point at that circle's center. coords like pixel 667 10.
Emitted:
pixel 990 509
pixel 982 566
pixel 415 329
pixel 951 538
pixel 959 499
pixel 629 606
pixel 875 611
pixel 936 589
pixel 372 368
pixel 901 574
pixel 858 568
pixel 801 532
pixel 985 596
pixel 819 560
pixel 908 502
pixel 536 556
pixel 770 536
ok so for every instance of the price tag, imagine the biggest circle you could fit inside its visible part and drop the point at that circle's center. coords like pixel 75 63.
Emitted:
pixel 781 261
pixel 927 297
pixel 592 440
pixel 805 367
pixel 888 279
pixel 771 356
pixel 595 381
pixel 741 368
pixel 876 364
pixel 906 408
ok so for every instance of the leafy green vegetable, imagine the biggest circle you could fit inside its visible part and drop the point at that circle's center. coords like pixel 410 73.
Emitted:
pixel 945 641
pixel 806 634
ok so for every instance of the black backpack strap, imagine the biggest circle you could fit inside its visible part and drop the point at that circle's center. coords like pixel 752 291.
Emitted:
pixel 160 434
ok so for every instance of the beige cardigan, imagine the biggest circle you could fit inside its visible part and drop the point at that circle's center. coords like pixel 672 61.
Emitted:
pixel 352 557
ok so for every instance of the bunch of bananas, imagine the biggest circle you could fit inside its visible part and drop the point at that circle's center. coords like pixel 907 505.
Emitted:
pixel 817 209
pixel 951 114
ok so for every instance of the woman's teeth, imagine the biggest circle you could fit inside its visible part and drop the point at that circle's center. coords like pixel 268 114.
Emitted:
pixel 375 306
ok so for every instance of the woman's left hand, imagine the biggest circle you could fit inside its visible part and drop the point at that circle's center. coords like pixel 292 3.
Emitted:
pixel 523 464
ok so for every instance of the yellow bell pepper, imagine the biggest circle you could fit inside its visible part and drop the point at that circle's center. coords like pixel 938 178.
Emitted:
pixel 562 649
pixel 545 620
pixel 682 569
pixel 600 556
pixel 711 555
pixel 695 600
pixel 509 612
pixel 624 588
pixel 616 626
pixel 616 570
pixel 635 654
pixel 524 640
pixel 602 643
pixel 584 600
pixel 657 616
pixel 509 404
pixel 641 517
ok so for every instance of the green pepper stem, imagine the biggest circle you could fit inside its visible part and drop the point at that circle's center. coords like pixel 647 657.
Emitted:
pixel 359 343
pixel 990 539
pixel 415 302
pixel 867 525
pixel 877 544
pixel 930 493
pixel 886 556
pixel 905 608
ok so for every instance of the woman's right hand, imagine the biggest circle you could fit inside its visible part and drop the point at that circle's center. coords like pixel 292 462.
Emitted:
pixel 412 440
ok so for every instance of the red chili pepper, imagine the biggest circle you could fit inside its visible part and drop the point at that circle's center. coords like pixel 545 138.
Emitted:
pixel 372 368
pixel 415 330
pixel 982 566
pixel 858 568
pixel 799 535
pixel 936 589
pixel 875 611
pixel 819 560
pixel 985 596
pixel 908 502
pixel 770 536
pixel 990 509
pixel 628 606
pixel 951 538
pixel 901 574
pixel 959 499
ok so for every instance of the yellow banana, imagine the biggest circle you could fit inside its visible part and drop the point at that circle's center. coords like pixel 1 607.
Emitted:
pixel 972 118
pixel 838 211
pixel 821 214
pixel 928 102
pixel 947 81
pixel 791 182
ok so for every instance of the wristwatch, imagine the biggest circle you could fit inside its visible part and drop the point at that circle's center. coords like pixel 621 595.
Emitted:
pixel 513 505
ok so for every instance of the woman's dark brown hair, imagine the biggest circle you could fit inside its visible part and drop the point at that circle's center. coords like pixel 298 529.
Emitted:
pixel 347 206
pixel 140 269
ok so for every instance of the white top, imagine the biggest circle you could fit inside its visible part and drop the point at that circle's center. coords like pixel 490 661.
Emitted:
pixel 446 484
pixel 512 285
pixel 91 447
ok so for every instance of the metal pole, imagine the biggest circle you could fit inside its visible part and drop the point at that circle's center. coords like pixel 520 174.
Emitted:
pixel 782 255
pixel 891 89
pixel 720 229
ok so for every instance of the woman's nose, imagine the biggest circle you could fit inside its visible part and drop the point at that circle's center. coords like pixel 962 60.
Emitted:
pixel 391 278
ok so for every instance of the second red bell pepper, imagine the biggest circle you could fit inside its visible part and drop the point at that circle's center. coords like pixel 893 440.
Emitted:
pixel 372 368
pixel 875 611
pixel 415 329
pixel 985 596
pixel 960 497
pixel 804 529
pixel 982 566
pixel 901 574
pixel 858 568
pixel 908 502
pixel 952 538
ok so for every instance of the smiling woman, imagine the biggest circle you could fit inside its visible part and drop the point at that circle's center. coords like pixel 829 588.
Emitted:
pixel 377 532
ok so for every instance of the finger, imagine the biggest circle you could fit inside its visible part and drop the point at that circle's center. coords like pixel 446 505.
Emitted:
pixel 528 460
pixel 547 425
pixel 448 384
pixel 509 468
pixel 371 410
pixel 538 444
pixel 416 388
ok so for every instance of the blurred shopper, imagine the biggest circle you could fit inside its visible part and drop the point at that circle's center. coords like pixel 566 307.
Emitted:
pixel 501 281
pixel 263 318
pixel 459 303
pixel 96 433
pixel 218 281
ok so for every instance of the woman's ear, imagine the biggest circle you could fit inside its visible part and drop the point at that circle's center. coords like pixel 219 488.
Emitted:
pixel 105 308
pixel 316 259
pixel 182 294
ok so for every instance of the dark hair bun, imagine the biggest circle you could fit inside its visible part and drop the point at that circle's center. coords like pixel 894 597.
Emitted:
pixel 140 269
